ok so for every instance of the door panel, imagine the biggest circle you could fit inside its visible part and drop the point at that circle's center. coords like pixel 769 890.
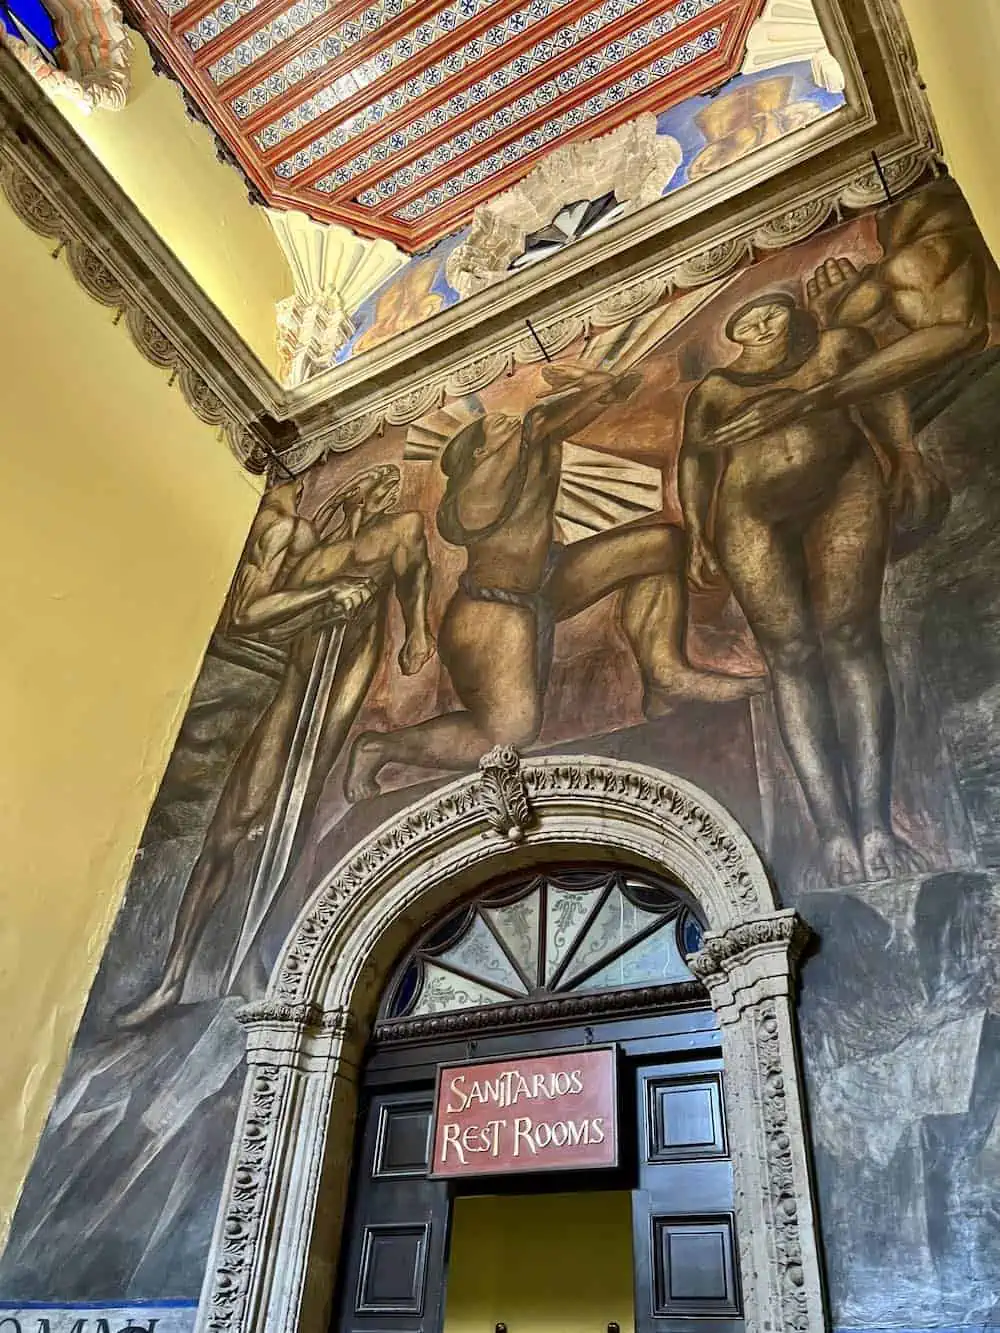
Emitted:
pixel 393 1275
pixel 682 1211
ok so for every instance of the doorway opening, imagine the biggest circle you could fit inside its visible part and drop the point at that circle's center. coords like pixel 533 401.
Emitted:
pixel 540 971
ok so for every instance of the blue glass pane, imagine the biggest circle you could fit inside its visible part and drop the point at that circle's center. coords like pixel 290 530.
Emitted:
pixel 406 991
pixel 691 935
pixel 32 18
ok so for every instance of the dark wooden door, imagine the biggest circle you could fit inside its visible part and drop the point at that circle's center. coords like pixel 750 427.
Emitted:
pixel 391 1280
pixel 684 1237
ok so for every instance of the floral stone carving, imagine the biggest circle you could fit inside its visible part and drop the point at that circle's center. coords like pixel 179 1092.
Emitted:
pixel 633 162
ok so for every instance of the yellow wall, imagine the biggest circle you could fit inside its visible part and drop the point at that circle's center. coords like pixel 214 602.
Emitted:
pixel 958 50
pixel 122 520
pixel 543 1263
pixel 167 166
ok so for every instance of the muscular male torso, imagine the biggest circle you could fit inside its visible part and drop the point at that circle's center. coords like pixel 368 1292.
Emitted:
pixel 514 557
pixel 933 271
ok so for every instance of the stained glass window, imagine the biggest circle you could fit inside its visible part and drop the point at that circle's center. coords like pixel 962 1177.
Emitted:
pixel 30 21
pixel 570 932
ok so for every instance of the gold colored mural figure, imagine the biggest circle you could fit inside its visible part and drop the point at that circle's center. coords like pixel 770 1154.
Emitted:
pixel 496 635
pixel 406 302
pixel 925 302
pixel 298 578
pixel 738 123
pixel 802 524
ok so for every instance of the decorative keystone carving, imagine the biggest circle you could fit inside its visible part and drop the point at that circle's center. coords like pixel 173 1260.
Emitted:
pixel 502 792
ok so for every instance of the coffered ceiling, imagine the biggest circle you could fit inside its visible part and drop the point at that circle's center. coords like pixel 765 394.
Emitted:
pixel 399 117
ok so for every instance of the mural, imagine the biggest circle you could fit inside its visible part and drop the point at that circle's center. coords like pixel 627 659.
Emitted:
pixel 711 132
pixel 753 537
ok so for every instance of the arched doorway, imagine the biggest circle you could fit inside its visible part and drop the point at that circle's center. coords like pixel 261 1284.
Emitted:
pixel 541 1140
pixel 280 1222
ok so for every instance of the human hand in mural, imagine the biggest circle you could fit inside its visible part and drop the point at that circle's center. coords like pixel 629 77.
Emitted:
pixel 566 375
pixel 771 412
pixel 703 568
pixel 828 286
pixel 417 650
pixel 349 595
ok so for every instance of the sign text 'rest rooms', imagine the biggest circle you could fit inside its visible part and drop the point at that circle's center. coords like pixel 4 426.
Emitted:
pixel 537 1113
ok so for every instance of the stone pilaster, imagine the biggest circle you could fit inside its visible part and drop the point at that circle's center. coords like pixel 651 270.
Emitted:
pixel 749 973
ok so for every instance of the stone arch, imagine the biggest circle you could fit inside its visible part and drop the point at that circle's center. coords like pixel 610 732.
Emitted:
pixel 276 1241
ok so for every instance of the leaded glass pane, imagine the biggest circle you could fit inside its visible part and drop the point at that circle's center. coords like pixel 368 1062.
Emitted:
pixel 654 961
pixel 478 953
pixel 615 924
pixel 581 928
pixel 518 925
pixel 443 991
pixel 566 914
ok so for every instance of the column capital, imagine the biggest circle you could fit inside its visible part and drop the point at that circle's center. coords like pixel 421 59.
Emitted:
pixel 751 961
pixel 300 1035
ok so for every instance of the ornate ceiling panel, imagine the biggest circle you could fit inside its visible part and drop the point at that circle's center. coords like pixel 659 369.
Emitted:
pixel 397 118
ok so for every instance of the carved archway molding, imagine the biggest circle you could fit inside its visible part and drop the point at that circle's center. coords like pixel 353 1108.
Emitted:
pixel 271 1266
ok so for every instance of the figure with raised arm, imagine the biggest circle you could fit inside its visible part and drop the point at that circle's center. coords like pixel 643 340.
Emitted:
pixel 496 636
pixel 925 303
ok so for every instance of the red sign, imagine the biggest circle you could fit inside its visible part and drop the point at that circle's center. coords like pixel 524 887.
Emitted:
pixel 553 1112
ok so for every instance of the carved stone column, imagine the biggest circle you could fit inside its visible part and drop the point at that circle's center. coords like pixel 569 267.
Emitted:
pixel 749 973
pixel 272 1263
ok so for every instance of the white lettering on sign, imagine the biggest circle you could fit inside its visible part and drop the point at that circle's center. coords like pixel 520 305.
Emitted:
pixel 510 1087
pixel 561 1114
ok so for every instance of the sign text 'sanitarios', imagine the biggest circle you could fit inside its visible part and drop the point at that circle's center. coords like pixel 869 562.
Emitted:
pixel 552 1112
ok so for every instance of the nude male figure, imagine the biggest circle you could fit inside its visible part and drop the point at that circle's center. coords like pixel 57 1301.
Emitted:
pixel 802 522
pixel 299 577
pixel 496 634
pixel 925 302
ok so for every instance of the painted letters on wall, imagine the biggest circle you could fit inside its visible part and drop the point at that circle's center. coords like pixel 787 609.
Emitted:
pixel 751 537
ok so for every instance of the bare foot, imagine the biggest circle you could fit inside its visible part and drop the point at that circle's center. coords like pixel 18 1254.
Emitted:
pixel 164 997
pixel 887 856
pixel 841 860
pixel 415 653
pixel 361 778
pixel 690 686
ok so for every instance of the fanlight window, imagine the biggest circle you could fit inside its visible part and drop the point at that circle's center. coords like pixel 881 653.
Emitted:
pixel 572 932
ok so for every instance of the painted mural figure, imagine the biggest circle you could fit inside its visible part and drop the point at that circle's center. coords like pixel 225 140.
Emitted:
pixel 925 303
pixel 496 635
pixel 802 526
pixel 300 576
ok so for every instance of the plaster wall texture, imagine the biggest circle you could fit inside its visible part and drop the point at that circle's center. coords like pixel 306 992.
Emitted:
pixel 122 518
pixel 958 49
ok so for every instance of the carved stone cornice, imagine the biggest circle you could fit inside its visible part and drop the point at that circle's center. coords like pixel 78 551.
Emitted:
pixel 57 187
pixel 754 960
pixel 306 1016
pixel 543 1013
